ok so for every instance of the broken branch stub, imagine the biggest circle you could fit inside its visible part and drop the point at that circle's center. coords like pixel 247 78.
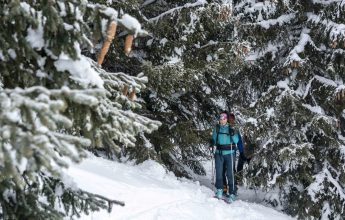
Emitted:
pixel 128 44
pixel 110 36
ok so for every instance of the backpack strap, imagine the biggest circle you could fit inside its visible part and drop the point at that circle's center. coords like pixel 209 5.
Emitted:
pixel 217 131
pixel 231 141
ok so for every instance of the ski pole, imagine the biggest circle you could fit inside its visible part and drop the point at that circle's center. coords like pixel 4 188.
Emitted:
pixel 212 181
pixel 232 170
pixel 213 167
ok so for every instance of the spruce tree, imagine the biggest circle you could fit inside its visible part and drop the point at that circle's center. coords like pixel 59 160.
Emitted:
pixel 55 102
pixel 278 65
pixel 296 104
pixel 188 52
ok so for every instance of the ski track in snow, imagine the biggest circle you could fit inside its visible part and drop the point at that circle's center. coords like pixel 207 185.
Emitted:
pixel 149 192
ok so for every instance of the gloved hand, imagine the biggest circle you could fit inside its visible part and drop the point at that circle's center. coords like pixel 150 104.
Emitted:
pixel 212 146
pixel 243 157
pixel 211 143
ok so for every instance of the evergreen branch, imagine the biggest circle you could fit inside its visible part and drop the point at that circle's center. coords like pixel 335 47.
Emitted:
pixel 334 29
pixel 327 2
pixel 282 20
pixel 147 2
pixel 110 201
pixel 188 5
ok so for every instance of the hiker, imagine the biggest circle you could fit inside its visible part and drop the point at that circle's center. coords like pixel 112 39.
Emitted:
pixel 232 122
pixel 226 140
pixel 248 151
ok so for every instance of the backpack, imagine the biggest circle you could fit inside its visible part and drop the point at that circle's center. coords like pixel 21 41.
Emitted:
pixel 231 132
pixel 248 147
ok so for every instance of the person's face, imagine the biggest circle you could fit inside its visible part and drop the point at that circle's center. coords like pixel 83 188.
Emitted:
pixel 222 119
pixel 231 120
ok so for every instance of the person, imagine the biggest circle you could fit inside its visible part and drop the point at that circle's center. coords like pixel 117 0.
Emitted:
pixel 232 122
pixel 248 153
pixel 226 140
pixel 244 158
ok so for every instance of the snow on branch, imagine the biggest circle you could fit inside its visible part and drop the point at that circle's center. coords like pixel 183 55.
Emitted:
pixel 328 2
pixel 128 22
pixel 120 125
pixel 121 85
pixel 336 31
pixel 322 179
pixel 326 81
pixel 270 48
pixel 111 118
pixel 74 63
pixel 147 2
pixel 284 19
pixel 77 64
pixel 30 121
pixel 132 25
pixel 294 57
pixel 79 69
pixel 338 88
pixel 188 5
pixel 258 11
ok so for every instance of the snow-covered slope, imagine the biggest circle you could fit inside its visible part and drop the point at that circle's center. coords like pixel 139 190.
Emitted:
pixel 151 193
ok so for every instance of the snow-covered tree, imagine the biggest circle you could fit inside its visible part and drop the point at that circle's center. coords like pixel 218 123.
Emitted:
pixel 296 80
pixel 288 92
pixel 55 102
pixel 189 53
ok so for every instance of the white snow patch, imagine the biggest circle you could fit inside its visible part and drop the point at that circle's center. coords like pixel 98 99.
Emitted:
pixel 220 102
pixel 178 51
pixel 269 141
pixel 163 41
pixel 207 90
pixel 283 84
pixel 62 7
pixel 272 48
pixel 326 81
pixel 110 12
pixel 35 36
pixel 80 69
pixel 187 5
pixel 131 24
pixel 209 58
pixel 326 2
pixel 12 53
pixel 334 30
pixel 252 121
pixel 1 55
pixel 274 179
pixel 280 20
pixel 150 192
pixel 173 59
pixel 315 109
pixel 269 113
pixel 41 74
pixel 149 42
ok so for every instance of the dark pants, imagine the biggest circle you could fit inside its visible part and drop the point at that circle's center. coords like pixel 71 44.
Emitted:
pixel 229 161
pixel 225 181
pixel 241 163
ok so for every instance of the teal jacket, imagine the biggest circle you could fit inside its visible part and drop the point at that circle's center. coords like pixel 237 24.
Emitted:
pixel 224 137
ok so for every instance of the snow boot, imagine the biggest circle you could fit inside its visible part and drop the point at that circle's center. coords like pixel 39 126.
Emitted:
pixel 232 198
pixel 219 193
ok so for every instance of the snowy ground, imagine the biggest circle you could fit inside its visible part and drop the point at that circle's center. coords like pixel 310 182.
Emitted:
pixel 151 193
